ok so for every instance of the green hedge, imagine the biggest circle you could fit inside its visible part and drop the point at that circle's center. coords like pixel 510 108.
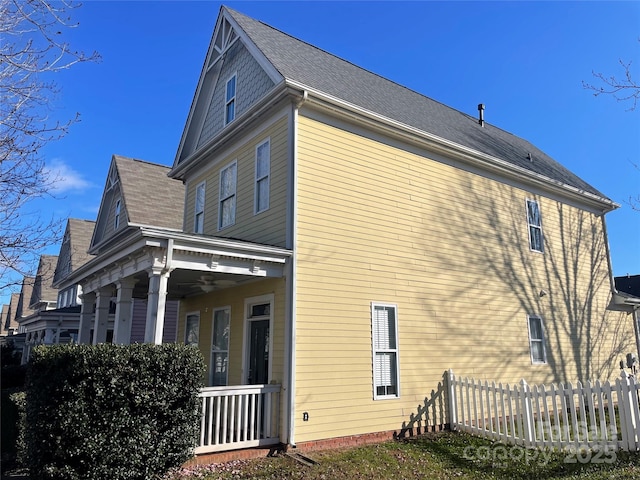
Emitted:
pixel 12 433
pixel 111 411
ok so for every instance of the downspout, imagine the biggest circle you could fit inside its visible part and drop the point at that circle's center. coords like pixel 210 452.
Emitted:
pixel 291 273
pixel 614 291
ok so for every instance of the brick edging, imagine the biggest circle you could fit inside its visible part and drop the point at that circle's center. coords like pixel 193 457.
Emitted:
pixel 347 441
pixel 309 446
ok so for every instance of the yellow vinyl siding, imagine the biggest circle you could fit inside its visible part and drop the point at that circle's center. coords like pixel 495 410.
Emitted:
pixel 451 249
pixel 267 227
pixel 234 297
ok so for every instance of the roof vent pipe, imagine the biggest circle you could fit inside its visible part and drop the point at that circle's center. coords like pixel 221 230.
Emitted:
pixel 481 114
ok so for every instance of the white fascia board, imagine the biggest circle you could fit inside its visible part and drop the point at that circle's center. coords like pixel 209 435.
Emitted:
pixel 221 246
pixel 143 226
pixel 452 148
pixel 620 298
pixel 106 260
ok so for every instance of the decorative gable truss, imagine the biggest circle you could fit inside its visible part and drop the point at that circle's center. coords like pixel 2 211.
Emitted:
pixel 234 77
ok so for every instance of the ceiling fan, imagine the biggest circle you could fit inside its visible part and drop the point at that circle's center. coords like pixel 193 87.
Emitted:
pixel 208 283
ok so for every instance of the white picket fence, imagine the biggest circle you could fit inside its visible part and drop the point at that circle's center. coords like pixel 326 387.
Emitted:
pixel 240 416
pixel 565 416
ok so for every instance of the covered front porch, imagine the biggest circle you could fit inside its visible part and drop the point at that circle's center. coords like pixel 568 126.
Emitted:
pixel 158 265
pixel 50 327
pixel 232 307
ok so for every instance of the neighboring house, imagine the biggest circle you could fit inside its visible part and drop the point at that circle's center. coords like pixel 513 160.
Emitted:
pixel 41 299
pixel 9 322
pixel 56 320
pixel 9 326
pixel 138 197
pixel 44 296
pixel 349 240
pixel 4 316
pixel 73 254
pixel 627 298
pixel 19 309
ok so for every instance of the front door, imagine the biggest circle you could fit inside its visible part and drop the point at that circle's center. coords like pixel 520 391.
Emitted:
pixel 258 352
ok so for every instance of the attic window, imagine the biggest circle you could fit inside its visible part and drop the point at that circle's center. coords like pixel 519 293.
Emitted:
pixel 116 217
pixel 230 100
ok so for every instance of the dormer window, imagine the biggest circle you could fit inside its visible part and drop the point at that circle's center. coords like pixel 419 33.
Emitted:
pixel 230 101
pixel 116 218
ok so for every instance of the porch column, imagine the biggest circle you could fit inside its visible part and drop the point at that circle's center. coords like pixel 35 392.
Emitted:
pixel 86 317
pixel 103 298
pixel 25 349
pixel 122 321
pixel 155 306
pixel 48 336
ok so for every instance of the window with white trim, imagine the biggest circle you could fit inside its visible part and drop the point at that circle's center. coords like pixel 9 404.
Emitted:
pixel 116 218
pixel 535 226
pixel 198 216
pixel 228 180
pixel 536 339
pixel 263 170
pixel 230 100
pixel 220 347
pixel 192 329
pixel 384 328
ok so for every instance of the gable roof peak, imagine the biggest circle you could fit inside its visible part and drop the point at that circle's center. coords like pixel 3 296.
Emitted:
pixel 328 78
pixel 146 196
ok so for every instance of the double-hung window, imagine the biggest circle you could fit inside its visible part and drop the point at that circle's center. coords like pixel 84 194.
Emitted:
pixel 192 329
pixel 220 347
pixel 230 100
pixel 535 226
pixel 116 214
pixel 384 326
pixel 228 180
pixel 198 216
pixel 263 168
pixel 536 340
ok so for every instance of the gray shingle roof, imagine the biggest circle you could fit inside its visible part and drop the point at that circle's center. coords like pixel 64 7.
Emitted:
pixel 80 232
pixel 24 300
pixel 150 197
pixel 43 290
pixel 320 70
pixel 10 320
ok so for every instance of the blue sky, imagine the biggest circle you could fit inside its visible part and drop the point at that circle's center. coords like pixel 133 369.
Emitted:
pixel 524 60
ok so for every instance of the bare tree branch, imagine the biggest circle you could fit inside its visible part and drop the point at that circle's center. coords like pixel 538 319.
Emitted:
pixel 623 89
pixel 31 51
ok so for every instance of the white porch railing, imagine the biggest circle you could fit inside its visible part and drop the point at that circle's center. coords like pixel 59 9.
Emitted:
pixel 599 415
pixel 239 417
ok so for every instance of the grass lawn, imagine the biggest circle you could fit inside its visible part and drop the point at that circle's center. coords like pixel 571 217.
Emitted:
pixel 440 456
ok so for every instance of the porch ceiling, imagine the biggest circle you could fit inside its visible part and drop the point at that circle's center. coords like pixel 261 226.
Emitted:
pixel 187 283
pixel 195 264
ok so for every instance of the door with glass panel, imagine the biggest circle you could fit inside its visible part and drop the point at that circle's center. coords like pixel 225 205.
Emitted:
pixel 258 331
